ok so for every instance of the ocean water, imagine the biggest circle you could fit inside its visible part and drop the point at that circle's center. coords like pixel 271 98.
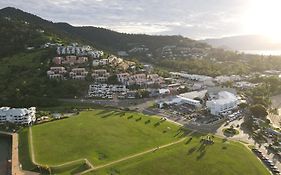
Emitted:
pixel 5 153
pixel 263 52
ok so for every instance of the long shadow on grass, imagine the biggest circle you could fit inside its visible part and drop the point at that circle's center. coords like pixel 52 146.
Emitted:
pixel 188 141
pixel 180 133
pixel 191 150
pixel 120 113
pixel 201 155
pixel 108 114
pixel 102 112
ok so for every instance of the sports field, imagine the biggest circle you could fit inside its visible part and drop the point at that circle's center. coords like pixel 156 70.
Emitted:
pixel 122 142
pixel 191 158
pixel 100 136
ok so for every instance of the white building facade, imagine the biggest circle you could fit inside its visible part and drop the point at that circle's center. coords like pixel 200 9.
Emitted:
pixel 223 102
pixel 22 116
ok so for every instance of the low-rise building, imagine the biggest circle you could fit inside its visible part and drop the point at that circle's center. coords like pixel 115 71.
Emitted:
pixel 113 60
pixel 106 91
pixel 56 73
pixel 193 77
pixel 224 78
pixel 155 79
pixel 58 60
pixel 122 77
pixel 78 73
pixel 100 75
pixel 95 53
pixel 101 62
pixel 244 85
pixel 70 59
pixel 193 98
pixel 139 79
pixel 22 116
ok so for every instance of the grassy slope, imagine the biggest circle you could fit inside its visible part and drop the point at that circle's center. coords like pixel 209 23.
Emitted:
pixel 24 152
pixel 100 136
pixel 187 159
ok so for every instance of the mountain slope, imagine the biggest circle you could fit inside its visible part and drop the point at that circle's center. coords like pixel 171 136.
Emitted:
pixel 99 37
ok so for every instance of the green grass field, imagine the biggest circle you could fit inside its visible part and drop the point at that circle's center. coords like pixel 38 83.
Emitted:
pixel 103 136
pixel 221 158
pixel 100 136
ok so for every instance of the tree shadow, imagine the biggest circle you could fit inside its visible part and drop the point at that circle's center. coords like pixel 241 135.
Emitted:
pixel 107 115
pixel 157 124
pixel 202 154
pixel 129 117
pixel 191 150
pixel 188 141
pixel 224 147
pixel 201 148
pixel 147 122
pixel 103 112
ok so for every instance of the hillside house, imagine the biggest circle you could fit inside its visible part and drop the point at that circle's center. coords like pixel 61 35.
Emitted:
pixel 100 75
pixel 78 73
pixel 56 73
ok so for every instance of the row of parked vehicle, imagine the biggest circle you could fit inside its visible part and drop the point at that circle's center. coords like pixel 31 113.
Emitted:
pixel 267 162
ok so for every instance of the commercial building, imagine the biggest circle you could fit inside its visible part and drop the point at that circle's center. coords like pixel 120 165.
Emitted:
pixel 223 101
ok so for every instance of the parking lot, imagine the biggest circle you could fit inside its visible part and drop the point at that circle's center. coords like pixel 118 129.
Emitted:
pixel 269 164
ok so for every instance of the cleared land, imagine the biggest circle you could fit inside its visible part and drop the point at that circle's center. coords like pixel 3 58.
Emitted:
pixel 192 158
pixel 106 136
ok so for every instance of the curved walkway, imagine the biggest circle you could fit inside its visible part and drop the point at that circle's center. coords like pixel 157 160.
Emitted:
pixel 92 168
pixel 55 166
pixel 136 155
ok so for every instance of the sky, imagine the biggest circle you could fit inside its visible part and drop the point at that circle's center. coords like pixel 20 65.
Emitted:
pixel 196 19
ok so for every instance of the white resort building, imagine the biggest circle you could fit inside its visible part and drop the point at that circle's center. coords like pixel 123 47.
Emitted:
pixel 17 115
pixel 224 101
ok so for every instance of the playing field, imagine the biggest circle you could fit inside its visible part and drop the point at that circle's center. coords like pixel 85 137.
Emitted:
pixel 221 158
pixel 106 136
pixel 99 136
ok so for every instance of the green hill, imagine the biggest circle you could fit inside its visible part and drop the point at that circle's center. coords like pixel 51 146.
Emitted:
pixel 99 37
pixel 23 61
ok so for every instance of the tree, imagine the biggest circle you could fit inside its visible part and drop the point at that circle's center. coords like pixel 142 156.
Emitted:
pixel 113 80
pixel 259 111
pixel 243 105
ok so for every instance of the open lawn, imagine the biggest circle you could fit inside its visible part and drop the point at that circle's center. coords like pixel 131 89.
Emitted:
pixel 192 158
pixel 100 136
pixel 107 136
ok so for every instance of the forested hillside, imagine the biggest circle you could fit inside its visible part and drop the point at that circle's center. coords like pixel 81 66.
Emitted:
pixel 24 60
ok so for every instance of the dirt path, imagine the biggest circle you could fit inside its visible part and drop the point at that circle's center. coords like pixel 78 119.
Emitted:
pixel 31 146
